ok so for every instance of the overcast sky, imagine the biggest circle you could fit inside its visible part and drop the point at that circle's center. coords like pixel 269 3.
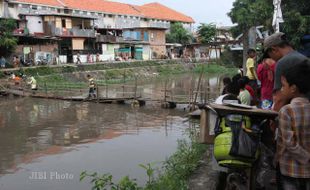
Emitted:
pixel 202 11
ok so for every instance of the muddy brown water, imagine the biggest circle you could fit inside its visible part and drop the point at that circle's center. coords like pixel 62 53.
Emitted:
pixel 46 144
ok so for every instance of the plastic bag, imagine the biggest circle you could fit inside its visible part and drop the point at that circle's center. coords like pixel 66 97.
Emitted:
pixel 243 144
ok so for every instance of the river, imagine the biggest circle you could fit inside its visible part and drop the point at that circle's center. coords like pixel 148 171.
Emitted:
pixel 46 144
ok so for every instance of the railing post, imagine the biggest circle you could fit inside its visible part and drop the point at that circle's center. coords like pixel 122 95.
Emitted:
pixel 136 87
pixel 45 88
pixel 97 93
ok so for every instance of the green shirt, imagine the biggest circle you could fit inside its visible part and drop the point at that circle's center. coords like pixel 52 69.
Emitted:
pixel 245 97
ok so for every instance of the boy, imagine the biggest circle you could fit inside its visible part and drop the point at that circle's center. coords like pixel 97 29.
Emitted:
pixel 92 87
pixel 244 95
pixel 250 68
pixel 293 141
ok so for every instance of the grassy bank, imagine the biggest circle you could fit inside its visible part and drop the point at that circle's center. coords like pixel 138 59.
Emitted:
pixel 72 76
pixel 173 174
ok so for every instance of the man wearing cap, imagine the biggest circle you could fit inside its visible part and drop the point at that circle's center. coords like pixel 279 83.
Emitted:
pixel 279 49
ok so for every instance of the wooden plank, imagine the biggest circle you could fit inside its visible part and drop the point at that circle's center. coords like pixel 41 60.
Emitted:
pixel 205 136
pixel 224 110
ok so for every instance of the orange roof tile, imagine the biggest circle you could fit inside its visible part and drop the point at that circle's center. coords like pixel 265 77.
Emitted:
pixel 102 6
pixel 54 3
pixel 151 10
pixel 159 11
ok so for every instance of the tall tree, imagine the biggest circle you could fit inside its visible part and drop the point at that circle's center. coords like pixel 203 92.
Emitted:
pixel 247 14
pixel 178 34
pixel 206 32
pixel 7 41
pixel 296 16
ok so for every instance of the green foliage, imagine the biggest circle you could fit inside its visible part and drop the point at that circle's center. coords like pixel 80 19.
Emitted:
pixel 8 42
pixel 231 58
pixel 248 13
pixel 214 68
pixel 45 70
pixel 296 15
pixel 178 34
pixel 206 32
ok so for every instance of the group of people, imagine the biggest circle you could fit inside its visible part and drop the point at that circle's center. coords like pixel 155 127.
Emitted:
pixel 89 58
pixel 283 75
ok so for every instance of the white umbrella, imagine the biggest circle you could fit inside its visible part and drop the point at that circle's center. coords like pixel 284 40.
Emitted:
pixel 277 15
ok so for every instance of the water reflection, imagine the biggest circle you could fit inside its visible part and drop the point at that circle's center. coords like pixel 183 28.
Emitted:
pixel 39 135
pixel 35 129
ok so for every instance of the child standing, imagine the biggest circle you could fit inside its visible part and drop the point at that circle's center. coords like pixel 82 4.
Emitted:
pixel 92 87
pixel 250 69
pixel 293 141
pixel 244 95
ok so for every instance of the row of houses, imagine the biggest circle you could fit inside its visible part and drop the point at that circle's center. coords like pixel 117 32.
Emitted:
pixel 62 30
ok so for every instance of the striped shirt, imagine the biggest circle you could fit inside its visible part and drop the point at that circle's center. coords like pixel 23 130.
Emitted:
pixel 293 141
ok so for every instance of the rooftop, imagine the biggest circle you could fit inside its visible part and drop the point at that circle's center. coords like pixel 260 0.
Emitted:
pixel 150 10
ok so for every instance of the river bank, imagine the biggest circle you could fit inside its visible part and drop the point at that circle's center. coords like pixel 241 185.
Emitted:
pixel 116 70
pixel 76 75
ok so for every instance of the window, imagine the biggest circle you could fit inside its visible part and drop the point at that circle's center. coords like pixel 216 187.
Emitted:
pixel 66 11
pixel 25 6
pixel 11 5
pixel 34 7
pixel 63 23
pixel 84 12
pixel 146 36
pixel 58 10
pixel 44 8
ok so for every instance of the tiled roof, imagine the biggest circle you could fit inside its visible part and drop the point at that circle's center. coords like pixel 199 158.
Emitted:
pixel 102 6
pixel 151 10
pixel 159 11
pixel 54 3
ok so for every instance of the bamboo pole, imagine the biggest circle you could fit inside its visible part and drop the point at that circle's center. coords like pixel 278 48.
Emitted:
pixel 198 86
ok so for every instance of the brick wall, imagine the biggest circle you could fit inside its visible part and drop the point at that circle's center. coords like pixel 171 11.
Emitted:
pixel 158 51
pixel 44 48
pixel 157 37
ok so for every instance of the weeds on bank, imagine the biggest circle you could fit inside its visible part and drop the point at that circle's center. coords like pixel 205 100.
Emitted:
pixel 172 175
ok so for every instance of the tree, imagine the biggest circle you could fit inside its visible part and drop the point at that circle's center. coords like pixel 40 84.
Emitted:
pixel 178 34
pixel 296 15
pixel 8 42
pixel 247 14
pixel 206 32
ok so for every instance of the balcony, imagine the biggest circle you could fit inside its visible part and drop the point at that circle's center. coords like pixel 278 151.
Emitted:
pixel 109 39
pixel 73 32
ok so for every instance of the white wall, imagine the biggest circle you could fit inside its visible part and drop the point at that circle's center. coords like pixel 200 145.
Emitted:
pixel 146 52
pixel 62 59
pixel 144 23
pixel 35 24
pixel 13 13
pixel 213 52
pixel 108 53
pixel 109 21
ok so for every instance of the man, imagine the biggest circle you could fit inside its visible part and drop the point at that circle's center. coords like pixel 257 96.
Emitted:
pixel 92 87
pixel 33 83
pixel 279 49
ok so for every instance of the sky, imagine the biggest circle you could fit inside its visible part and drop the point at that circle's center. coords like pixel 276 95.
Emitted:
pixel 202 11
